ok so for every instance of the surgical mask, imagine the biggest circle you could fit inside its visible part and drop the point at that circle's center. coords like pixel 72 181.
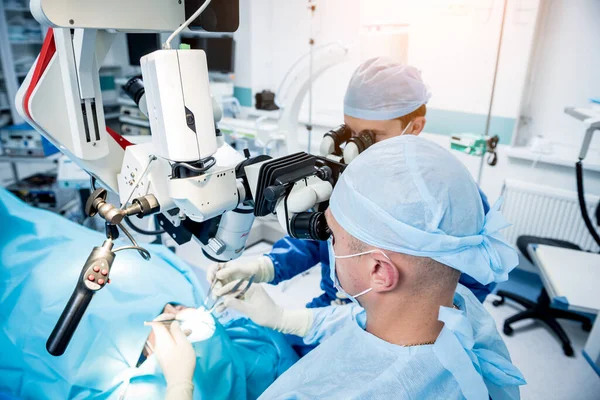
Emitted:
pixel 406 127
pixel 333 273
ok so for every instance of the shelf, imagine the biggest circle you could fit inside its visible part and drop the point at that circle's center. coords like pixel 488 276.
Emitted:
pixel 51 158
pixel 205 34
pixel 4 108
pixel 26 42
pixel 525 153
pixel 112 115
pixel 126 102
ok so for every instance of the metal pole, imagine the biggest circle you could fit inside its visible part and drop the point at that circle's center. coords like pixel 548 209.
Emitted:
pixel 489 114
pixel 15 171
pixel 8 66
pixel 311 43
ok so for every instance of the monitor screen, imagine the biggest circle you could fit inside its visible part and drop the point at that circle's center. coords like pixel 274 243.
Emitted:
pixel 219 51
pixel 219 16
pixel 140 44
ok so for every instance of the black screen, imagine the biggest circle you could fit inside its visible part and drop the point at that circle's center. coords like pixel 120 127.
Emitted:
pixel 140 44
pixel 219 16
pixel 219 51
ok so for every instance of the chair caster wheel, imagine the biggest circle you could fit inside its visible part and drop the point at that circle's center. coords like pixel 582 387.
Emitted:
pixel 586 326
pixel 508 330
pixel 568 350
pixel 498 302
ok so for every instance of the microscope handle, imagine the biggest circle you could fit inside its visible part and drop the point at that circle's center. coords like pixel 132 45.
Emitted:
pixel 69 320
pixel 94 276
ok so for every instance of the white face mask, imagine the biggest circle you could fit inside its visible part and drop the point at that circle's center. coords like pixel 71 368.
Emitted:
pixel 409 125
pixel 333 274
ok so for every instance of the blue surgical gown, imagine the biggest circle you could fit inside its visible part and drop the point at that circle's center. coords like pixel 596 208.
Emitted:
pixel 292 257
pixel 468 360
pixel 41 255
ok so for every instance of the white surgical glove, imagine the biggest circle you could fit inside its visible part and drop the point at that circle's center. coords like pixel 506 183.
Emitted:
pixel 176 357
pixel 257 305
pixel 262 268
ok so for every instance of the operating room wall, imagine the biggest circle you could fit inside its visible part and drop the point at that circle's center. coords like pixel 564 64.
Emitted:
pixel 564 72
pixel 493 178
pixel 454 43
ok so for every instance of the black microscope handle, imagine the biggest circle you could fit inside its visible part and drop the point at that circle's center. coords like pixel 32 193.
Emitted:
pixel 69 320
pixel 93 277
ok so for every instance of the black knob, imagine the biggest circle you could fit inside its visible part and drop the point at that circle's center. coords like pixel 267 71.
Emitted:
pixel 273 193
pixel 112 232
pixel 90 204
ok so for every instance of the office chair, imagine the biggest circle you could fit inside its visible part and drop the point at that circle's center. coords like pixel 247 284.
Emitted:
pixel 541 309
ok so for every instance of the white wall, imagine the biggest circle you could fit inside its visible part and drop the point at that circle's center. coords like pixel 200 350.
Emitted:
pixel 243 46
pixel 454 43
pixel 456 49
pixel 569 33
pixel 565 72
pixel 507 168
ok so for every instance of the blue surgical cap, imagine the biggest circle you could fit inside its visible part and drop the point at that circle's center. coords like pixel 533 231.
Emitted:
pixel 411 196
pixel 382 89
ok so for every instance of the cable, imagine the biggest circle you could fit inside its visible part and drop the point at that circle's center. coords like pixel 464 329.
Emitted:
pixel 140 230
pixel 582 205
pixel 143 252
pixel 195 15
pixel 151 158
pixel 207 164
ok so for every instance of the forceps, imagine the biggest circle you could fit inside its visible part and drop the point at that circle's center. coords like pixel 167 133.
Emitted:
pixel 216 303
pixel 233 290
pixel 212 284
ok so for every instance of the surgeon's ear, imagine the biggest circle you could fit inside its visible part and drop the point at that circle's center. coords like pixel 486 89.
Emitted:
pixel 417 125
pixel 384 274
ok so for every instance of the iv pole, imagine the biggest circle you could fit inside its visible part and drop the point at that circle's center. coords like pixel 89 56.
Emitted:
pixel 489 114
pixel 311 42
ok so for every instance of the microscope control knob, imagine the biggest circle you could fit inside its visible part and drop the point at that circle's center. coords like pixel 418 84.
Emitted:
pixel 216 246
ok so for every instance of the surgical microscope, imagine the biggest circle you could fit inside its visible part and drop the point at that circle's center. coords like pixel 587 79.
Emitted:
pixel 196 185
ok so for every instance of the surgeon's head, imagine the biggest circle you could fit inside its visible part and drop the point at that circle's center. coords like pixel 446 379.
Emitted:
pixel 372 275
pixel 395 213
pixel 387 98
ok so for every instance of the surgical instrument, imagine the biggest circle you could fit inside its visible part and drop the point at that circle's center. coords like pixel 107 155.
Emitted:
pixel 233 290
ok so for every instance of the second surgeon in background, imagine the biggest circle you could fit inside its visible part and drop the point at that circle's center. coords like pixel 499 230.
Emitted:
pixel 389 99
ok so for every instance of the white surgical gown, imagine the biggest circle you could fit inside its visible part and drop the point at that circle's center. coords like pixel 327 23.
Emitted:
pixel 469 360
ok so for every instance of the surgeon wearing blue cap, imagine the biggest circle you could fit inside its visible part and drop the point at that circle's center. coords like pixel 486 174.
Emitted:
pixel 413 331
pixel 387 98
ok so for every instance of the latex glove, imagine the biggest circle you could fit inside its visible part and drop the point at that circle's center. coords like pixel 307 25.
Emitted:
pixel 257 305
pixel 176 357
pixel 262 268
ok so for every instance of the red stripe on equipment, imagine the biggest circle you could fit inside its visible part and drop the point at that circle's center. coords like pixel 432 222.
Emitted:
pixel 48 51
pixel 46 54
pixel 118 138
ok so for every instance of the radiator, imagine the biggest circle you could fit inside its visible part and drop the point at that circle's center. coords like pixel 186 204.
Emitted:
pixel 548 212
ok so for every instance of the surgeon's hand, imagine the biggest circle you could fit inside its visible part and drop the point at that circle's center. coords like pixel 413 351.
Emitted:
pixel 176 357
pixel 257 305
pixel 169 309
pixel 262 269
